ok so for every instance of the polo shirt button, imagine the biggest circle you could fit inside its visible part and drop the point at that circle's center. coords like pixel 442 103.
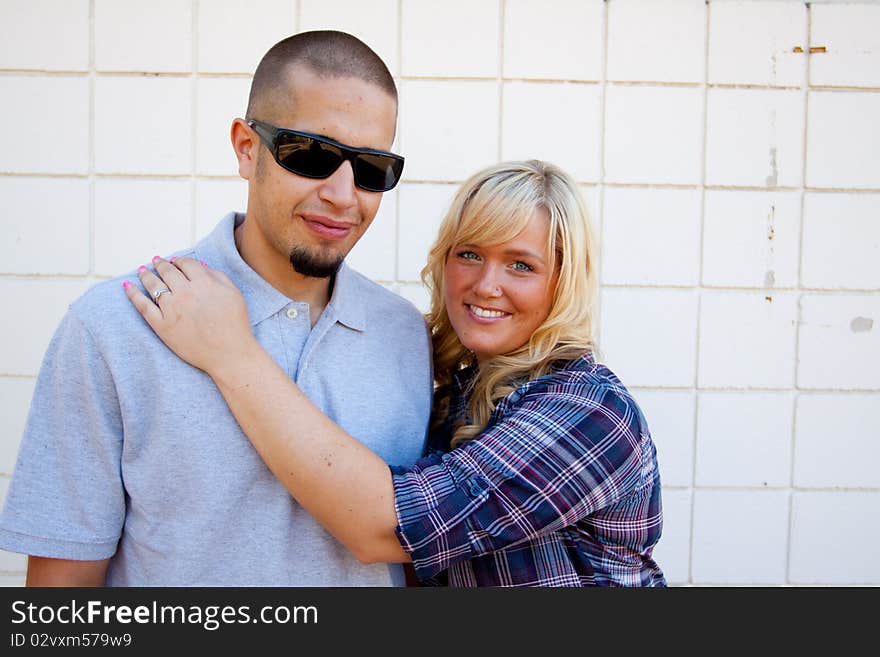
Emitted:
pixel 291 313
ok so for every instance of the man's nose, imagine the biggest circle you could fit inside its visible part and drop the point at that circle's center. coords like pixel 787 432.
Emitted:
pixel 339 188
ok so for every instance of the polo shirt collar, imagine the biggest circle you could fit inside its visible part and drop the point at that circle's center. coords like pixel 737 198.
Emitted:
pixel 348 300
pixel 263 301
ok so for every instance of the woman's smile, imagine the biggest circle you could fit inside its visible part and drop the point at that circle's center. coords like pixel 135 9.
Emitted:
pixel 486 314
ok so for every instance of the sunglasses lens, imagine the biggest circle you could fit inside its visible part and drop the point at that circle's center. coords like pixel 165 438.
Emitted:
pixel 377 173
pixel 313 158
pixel 306 156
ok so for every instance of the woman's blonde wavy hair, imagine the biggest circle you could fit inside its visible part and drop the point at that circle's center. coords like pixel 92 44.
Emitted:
pixel 492 207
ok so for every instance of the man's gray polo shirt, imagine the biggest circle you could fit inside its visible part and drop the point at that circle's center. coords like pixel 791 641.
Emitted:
pixel 129 451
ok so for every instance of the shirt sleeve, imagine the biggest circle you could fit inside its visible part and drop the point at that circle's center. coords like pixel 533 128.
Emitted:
pixel 66 499
pixel 551 460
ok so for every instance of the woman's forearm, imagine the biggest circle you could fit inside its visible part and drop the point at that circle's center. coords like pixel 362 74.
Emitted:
pixel 340 482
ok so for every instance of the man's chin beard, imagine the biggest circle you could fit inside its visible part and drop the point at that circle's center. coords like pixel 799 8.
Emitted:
pixel 306 263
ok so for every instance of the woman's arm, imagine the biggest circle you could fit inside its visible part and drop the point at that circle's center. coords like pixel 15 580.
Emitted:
pixel 339 481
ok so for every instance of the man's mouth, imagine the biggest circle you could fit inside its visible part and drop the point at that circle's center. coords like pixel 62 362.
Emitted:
pixel 326 227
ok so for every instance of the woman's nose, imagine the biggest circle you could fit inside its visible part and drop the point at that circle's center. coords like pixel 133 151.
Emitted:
pixel 487 285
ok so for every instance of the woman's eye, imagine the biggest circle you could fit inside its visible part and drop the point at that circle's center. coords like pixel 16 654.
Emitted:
pixel 520 266
pixel 468 255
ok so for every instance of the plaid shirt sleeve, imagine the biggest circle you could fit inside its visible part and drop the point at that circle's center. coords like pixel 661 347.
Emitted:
pixel 550 456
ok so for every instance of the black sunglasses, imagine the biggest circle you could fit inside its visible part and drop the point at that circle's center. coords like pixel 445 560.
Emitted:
pixel 313 156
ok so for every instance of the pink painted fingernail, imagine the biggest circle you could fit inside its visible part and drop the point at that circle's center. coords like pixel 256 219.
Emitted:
pixel 126 285
pixel 155 258
pixel 142 268
pixel 171 259
pixel 204 263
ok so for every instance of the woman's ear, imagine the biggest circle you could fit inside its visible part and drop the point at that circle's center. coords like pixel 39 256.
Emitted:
pixel 245 143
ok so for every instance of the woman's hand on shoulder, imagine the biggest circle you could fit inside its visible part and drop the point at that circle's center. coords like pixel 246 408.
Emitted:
pixel 196 311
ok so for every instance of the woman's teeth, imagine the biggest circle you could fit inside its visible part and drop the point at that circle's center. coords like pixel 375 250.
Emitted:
pixel 483 312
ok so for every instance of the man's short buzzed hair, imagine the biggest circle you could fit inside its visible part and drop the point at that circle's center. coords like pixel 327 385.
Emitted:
pixel 328 53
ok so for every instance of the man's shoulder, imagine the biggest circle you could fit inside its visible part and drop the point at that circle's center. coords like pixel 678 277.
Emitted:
pixel 105 307
pixel 103 299
pixel 380 300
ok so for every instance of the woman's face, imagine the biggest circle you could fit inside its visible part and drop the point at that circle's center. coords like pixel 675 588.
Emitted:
pixel 497 296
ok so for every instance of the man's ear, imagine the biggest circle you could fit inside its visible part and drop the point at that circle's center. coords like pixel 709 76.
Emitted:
pixel 245 143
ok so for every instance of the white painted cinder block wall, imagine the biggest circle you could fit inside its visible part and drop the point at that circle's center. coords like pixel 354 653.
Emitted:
pixel 733 174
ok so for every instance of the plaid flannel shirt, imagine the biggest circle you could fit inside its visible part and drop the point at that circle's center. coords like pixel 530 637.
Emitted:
pixel 560 489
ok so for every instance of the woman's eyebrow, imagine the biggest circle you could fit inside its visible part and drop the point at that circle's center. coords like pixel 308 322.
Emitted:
pixel 525 253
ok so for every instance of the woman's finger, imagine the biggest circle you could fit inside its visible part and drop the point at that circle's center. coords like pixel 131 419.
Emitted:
pixel 154 285
pixel 171 275
pixel 148 310
pixel 193 269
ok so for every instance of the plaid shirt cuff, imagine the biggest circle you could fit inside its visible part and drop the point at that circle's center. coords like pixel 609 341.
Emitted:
pixel 432 512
